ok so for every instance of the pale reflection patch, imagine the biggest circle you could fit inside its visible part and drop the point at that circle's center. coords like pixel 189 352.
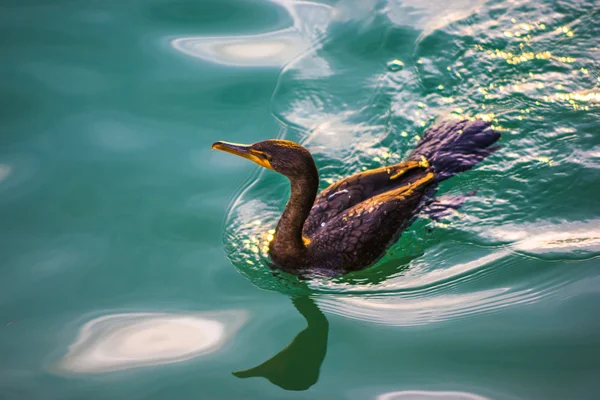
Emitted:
pixel 429 14
pixel 429 395
pixel 123 341
pixel 5 171
pixel 258 50
pixel 267 49
pixel 573 239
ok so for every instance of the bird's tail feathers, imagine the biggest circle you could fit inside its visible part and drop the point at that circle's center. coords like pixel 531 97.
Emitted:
pixel 451 147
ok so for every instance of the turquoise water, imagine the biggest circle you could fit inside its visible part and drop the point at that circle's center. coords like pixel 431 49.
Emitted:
pixel 132 259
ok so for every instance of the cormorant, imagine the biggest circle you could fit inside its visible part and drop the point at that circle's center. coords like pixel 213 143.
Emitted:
pixel 349 225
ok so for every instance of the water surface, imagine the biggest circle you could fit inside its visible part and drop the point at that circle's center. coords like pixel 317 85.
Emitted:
pixel 132 257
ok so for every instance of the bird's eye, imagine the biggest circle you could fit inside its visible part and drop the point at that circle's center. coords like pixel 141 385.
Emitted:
pixel 263 155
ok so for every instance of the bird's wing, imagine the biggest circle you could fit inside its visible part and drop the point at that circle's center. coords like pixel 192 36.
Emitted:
pixel 360 234
pixel 357 188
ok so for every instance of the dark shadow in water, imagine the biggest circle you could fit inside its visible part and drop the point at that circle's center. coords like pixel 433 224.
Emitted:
pixel 375 276
pixel 297 366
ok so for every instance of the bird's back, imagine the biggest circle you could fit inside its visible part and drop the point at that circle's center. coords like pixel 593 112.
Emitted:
pixel 359 235
pixel 353 221
pixel 357 188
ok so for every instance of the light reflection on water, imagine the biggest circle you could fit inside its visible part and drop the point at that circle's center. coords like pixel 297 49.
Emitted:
pixel 5 171
pixel 531 67
pixel 123 341
pixel 268 49
pixel 429 395
pixel 569 239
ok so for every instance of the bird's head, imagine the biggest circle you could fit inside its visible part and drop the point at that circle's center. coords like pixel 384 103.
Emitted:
pixel 283 156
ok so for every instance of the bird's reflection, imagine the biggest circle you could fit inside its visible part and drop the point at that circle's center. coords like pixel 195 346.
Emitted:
pixel 297 366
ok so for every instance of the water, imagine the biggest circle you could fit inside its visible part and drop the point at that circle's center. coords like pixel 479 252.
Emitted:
pixel 131 257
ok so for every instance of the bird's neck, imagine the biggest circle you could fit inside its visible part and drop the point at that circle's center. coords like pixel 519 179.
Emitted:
pixel 288 246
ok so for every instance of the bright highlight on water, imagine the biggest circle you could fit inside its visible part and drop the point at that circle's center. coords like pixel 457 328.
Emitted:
pixel 429 395
pixel 118 225
pixel 124 341
pixel 268 49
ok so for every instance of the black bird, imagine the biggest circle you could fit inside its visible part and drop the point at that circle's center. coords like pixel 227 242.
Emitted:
pixel 350 224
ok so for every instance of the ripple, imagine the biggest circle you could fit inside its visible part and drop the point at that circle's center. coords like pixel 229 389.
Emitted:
pixel 124 341
pixel 579 240
pixel 429 395
pixel 420 280
pixel 428 289
pixel 267 49
pixel 495 262
pixel 400 310
pixel 431 296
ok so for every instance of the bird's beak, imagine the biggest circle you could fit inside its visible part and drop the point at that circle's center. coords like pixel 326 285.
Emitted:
pixel 243 150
